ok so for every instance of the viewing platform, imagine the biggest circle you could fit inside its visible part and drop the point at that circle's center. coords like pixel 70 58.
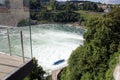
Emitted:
pixel 14 68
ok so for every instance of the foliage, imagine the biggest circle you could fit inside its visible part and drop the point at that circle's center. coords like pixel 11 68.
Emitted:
pixel 68 12
pixel 56 14
pixel 91 6
pixel 87 15
pixel 49 78
pixel 52 3
pixel 62 75
pixel 37 73
pixel 35 5
pixel 23 22
pixel 60 6
pixel 96 59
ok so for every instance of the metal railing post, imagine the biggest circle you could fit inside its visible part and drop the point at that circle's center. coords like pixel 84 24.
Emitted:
pixel 30 42
pixel 22 46
pixel 30 31
pixel 9 42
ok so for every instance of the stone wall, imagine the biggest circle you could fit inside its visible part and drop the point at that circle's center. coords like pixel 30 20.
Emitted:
pixel 15 14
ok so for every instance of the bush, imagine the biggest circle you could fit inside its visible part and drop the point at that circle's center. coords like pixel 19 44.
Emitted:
pixel 23 22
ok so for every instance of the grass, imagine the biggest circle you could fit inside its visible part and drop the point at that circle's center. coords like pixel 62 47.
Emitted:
pixel 88 14
pixel 49 7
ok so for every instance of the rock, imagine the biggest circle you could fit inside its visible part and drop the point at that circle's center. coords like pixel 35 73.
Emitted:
pixel 116 73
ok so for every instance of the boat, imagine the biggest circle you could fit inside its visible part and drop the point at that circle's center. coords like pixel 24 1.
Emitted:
pixel 59 62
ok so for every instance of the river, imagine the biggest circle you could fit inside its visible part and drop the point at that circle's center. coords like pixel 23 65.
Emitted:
pixel 51 42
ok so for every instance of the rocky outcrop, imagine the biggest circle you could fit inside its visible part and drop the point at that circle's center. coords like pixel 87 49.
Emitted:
pixel 116 73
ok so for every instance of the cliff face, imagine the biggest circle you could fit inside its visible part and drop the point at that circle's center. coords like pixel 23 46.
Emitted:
pixel 116 73
pixel 15 14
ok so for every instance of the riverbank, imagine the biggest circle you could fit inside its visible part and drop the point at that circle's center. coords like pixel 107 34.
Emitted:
pixel 34 22
pixel 71 24
pixel 76 24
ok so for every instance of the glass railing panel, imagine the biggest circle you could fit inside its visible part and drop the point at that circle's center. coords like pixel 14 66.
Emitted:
pixel 14 17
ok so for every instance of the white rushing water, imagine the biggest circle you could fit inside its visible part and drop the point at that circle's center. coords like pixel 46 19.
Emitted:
pixel 51 42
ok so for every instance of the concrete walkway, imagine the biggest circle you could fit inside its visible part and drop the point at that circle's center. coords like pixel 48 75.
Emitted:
pixel 57 71
pixel 55 74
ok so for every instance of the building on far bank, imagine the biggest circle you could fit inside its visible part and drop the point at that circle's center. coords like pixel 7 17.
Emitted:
pixel 107 10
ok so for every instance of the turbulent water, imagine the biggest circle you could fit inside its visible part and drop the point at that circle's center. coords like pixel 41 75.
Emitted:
pixel 51 42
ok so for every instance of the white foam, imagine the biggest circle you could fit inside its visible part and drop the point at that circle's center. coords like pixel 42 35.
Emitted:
pixel 50 45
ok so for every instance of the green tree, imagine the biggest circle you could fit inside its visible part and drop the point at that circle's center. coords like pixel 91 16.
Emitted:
pixel 37 73
pixel 35 5
pixel 53 4
pixel 91 6
pixel 96 59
